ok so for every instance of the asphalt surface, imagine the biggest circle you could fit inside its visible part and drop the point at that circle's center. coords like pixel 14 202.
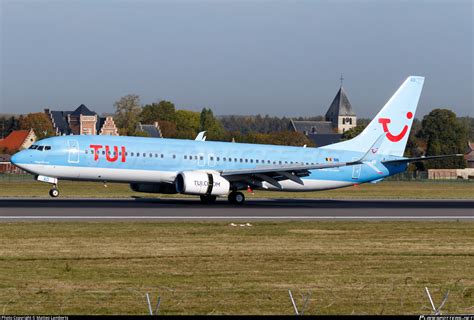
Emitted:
pixel 271 209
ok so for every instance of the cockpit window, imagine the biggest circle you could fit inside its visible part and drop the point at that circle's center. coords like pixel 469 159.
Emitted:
pixel 40 148
pixel 33 147
pixel 47 148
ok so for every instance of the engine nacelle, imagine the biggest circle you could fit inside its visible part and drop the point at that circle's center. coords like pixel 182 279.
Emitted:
pixel 165 188
pixel 201 183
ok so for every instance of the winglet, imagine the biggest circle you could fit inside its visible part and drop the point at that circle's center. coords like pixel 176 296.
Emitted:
pixel 200 136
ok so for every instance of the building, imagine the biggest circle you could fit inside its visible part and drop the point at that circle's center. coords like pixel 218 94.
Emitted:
pixel 339 118
pixel 152 130
pixel 451 174
pixel 81 121
pixel 470 156
pixel 18 140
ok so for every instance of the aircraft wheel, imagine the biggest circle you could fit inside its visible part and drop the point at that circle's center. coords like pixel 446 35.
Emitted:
pixel 236 198
pixel 208 199
pixel 54 192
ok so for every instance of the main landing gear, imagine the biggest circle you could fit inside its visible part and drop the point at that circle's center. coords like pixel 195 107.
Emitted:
pixel 208 199
pixel 236 198
pixel 54 192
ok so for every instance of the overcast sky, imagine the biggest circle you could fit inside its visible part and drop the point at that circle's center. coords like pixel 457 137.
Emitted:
pixel 238 57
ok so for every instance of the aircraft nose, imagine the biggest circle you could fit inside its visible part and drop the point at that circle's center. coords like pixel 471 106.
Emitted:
pixel 18 158
pixel 14 158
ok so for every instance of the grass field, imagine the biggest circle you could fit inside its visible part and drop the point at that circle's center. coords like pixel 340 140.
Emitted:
pixel 385 190
pixel 213 268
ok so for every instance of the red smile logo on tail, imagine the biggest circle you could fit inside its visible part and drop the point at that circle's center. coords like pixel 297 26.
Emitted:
pixel 390 136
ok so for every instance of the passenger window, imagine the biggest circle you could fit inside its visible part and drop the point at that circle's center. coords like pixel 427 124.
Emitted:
pixel 86 151
pixel 138 154
pixel 256 161
pixel 131 154
pixel 246 160
pixel 162 155
pixel 241 160
pixel 218 158
pixel 151 155
pixel 251 160
pixel 174 156
pixel 185 157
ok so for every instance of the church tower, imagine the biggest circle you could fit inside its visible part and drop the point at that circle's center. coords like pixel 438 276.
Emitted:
pixel 340 112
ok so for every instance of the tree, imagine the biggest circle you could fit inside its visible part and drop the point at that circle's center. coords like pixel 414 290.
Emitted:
pixel 444 134
pixel 353 132
pixel 163 110
pixel 40 124
pixel 187 121
pixel 7 125
pixel 127 111
pixel 168 129
pixel 209 123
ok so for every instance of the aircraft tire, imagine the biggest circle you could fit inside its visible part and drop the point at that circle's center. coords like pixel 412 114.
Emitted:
pixel 54 193
pixel 236 198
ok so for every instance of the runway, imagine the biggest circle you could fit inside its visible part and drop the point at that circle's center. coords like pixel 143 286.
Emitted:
pixel 262 209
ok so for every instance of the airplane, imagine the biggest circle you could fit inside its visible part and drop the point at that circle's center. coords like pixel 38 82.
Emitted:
pixel 212 169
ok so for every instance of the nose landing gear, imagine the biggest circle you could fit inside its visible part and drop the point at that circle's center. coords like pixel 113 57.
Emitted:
pixel 54 192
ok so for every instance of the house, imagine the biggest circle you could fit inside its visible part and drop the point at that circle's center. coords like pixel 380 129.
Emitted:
pixel 81 121
pixel 152 130
pixel 339 118
pixel 18 140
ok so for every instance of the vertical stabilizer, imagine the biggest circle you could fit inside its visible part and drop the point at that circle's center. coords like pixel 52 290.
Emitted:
pixel 394 120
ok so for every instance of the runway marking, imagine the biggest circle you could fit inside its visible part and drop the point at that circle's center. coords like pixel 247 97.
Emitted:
pixel 231 217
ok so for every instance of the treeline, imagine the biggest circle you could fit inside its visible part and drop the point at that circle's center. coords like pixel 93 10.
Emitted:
pixel 439 132
pixel 186 124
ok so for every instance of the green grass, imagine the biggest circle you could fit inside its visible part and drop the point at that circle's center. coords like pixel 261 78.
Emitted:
pixel 213 268
pixel 386 189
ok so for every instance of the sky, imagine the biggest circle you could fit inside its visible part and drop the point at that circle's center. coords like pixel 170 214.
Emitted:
pixel 282 58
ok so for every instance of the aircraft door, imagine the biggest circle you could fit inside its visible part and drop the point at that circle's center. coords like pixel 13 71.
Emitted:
pixel 356 170
pixel 73 151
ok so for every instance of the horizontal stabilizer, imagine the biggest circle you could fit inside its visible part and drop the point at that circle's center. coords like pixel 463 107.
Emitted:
pixel 405 160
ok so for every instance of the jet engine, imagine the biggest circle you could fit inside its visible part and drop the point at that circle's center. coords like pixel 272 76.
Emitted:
pixel 201 183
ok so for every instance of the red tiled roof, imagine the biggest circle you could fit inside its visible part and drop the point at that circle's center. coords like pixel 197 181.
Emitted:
pixel 14 140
